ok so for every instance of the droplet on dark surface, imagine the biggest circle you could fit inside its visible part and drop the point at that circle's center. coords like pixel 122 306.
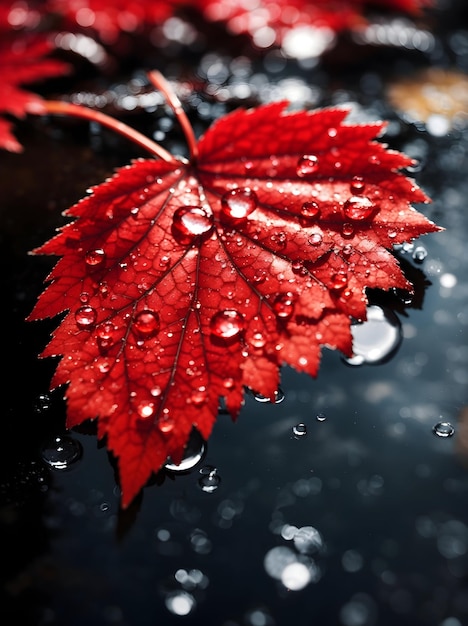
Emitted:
pixel 195 450
pixel 209 479
pixel 61 452
pixel 377 339
pixel 443 429
pixel 299 430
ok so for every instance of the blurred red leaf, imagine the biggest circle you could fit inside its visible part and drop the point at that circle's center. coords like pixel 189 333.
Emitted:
pixel 23 60
pixel 185 281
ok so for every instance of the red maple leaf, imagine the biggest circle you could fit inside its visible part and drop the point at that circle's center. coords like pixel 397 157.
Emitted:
pixel 23 60
pixel 184 281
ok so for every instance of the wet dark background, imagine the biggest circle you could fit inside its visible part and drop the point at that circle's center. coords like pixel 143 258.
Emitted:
pixel 362 521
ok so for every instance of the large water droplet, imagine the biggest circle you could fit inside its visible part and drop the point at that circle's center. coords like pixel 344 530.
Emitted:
pixel 358 208
pixel 61 452
pixel 95 258
pixel 443 429
pixel 195 450
pixel 238 204
pixel 377 339
pixel 307 164
pixel 283 305
pixel 227 324
pixel 191 222
pixel 146 324
pixel 85 317
pixel 310 210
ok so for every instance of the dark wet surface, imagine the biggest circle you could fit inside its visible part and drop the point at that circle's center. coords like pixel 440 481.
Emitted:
pixel 362 520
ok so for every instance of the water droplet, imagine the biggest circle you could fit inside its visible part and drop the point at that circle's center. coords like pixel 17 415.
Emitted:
pixel 339 280
pixel 283 305
pixel 95 258
pixel 165 424
pixel 358 208
pixel 85 317
pixel 228 383
pixel 299 430
pixel 145 410
pixel 320 417
pixel 156 391
pixel 104 335
pixel 443 429
pixel 238 204
pixel 42 403
pixel 357 185
pixel 419 254
pixel 347 230
pixel 145 324
pixel 315 239
pixel 227 324
pixel 377 339
pixel 279 397
pixel 199 396
pixel 209 479
pixel 310 210
pixel 61 452
pixel 307 164
pixel 195 450
pixel 257 340
pixel 191 222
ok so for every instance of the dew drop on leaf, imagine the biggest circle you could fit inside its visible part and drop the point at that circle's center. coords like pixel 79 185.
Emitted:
pixel 95 258
pixel 85 317
pixel 339 280
pixel 358 208
pixel 146 324
pixel 166 424
pixel 347 230
pixel 443 429
pixel 145 409
pixel 299 430
pixel 310 210
pixel 238 204
pixel 227 324
pixel 198 396
pixel 315 239
pixel 307 164
pixel 190 222
pixel 283 305
pixel 357 185
pixel 61 452
pixel 105 335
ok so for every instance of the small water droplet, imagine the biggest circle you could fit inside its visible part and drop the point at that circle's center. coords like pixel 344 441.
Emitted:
pixel 443 429
pixel 85 317
pixel 419 254
pixel 358 208
pixel 209 479
pixel 199 396
pixel 315 239
pixel 320 417
pixel 156 391
pixel 195 450
pixel 339 281
pixel 227 324
pixel 307 164
pixel 61 452
pixel 347 230
pixel 283 305
pixel 42 403
pixel 145 410
pixel 190 223
pixel 310 210
pixel 145 324
pixel 238 204
pixel 95 258
pixel 165 424
pixel 357 185
pixel 104 335
pixel 299 430
pixel 228 383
